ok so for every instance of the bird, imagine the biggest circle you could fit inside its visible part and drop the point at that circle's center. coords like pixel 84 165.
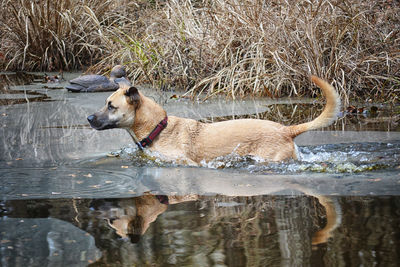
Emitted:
pixel 51 79
pixel 99 83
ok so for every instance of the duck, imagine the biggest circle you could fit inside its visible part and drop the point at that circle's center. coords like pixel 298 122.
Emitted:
pixel 99 83
pixel 51 79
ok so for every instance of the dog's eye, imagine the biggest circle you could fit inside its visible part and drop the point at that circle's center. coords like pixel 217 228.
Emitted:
pixel 110 106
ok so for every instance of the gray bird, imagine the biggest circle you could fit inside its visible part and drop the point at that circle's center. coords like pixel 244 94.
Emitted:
pixel 99 83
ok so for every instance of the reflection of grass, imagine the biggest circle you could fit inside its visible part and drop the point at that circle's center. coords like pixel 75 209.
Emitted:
pixel 232 47
pixel 385 119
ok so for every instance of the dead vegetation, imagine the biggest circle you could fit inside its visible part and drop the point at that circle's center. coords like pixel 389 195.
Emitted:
pixel 52 35
pixel 232 47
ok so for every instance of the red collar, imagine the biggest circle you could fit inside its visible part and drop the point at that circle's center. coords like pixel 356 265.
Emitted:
pixel 149 139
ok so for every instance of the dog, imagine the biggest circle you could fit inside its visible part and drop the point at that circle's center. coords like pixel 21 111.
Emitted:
pixel 188 141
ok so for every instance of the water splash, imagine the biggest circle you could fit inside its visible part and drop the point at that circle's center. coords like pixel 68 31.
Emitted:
pixel 332 158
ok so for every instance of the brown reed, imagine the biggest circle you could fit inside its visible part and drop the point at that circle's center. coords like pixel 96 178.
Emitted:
pixel 234 47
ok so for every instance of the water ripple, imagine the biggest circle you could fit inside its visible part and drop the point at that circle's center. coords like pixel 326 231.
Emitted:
pixel 78 182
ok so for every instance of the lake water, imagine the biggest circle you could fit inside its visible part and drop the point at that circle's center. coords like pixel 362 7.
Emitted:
pixel 73 196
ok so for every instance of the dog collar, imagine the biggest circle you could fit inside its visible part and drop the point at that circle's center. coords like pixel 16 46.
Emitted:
pixel 156 131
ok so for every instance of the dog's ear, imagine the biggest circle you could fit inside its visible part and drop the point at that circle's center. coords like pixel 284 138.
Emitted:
pixel 133 96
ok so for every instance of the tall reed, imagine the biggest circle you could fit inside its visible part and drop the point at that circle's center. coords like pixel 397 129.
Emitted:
pixel 268 47
pixel 246 47
pixel 232 47
pixel 51 35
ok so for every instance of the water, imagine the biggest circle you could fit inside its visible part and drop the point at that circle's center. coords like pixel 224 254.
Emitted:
pixel 72 196
pixel 233 231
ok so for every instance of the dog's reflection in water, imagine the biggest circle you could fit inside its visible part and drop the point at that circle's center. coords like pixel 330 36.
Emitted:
pixel 131 217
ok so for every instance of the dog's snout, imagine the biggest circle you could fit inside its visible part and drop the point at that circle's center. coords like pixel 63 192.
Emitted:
pixel 91 118
pixel 100 121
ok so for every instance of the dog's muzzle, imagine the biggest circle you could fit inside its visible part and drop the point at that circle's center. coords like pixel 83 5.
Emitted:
pixel 100 122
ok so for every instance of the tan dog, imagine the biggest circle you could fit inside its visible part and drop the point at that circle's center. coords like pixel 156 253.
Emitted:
pixel 189 141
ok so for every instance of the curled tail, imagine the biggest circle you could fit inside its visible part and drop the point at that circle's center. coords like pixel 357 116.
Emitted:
pixel 327 116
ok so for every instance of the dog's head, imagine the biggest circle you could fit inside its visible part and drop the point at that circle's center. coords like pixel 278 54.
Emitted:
pixel 130 217
pixel 119 111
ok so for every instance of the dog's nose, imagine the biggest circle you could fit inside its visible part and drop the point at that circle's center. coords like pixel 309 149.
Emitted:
pixel 91 118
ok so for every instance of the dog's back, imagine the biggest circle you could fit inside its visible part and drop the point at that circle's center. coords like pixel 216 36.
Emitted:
pixel 266 139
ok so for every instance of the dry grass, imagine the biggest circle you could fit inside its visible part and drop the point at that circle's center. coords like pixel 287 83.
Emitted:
pixel 237 47
pixel 242 48
pixel 52 35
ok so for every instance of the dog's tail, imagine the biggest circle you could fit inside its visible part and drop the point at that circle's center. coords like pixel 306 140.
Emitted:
pixel 327 116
